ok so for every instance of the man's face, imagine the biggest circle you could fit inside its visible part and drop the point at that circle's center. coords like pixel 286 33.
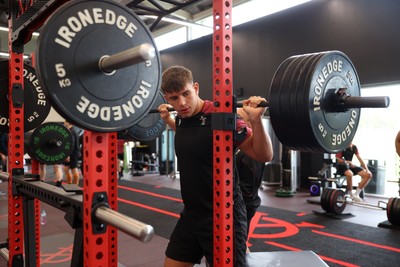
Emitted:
pixel 186 101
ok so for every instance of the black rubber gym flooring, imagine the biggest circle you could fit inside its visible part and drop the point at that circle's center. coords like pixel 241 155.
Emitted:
pixel 337 242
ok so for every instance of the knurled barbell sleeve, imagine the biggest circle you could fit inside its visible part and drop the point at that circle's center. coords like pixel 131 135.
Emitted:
pixel 4 176
pixel 128 225
pixel 366 102
pixel 5 253
pixel 127 58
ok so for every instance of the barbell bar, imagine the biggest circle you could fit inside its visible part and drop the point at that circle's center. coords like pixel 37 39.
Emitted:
pixel 129 57
pixel 348 103
pixel 128 225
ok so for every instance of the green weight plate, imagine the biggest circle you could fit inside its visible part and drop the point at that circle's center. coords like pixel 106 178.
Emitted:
pixel 72 42
pixel 50 143
pixel 36 105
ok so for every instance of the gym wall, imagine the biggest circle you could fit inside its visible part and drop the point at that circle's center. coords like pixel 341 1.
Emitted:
pixel 365 30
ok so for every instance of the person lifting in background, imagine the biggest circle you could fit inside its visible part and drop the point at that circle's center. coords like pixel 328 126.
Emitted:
pixel 71 162
pixel 349 169
pixel 192 237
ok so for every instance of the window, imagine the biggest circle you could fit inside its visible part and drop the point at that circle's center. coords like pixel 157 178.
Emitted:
pixel 245 12
pixel 375 137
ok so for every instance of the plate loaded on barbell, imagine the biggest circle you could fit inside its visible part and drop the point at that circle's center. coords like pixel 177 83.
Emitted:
pixel 151 126
pixel 36 105
pixel 98 63
pixel 314 102
pixel 334 201
pixel 50 143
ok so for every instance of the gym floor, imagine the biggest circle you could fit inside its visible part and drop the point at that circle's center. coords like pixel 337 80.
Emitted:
pixel 152 253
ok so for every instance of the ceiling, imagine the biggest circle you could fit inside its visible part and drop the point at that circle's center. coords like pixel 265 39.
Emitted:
pixel 155 12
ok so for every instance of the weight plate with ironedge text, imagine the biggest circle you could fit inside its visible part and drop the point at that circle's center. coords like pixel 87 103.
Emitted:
pixel 151 126
pixel 333 130
pixel 50 143
pixel 36 104
pixel 72 42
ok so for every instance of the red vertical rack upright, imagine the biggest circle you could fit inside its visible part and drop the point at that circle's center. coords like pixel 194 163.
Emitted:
pixel 15 151
pixel 223 139
pixel 99 162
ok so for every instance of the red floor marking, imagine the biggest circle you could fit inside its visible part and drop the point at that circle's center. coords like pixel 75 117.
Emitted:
pixel 150 193
pixel 357 241
pixel 301 214
pixel 65 255
pixel 346 264
pixel 149 208
pixel 307 224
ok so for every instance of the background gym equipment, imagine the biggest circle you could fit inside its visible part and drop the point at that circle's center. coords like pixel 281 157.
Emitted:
pixel 36 106
pixel 335 201
pixel 151 126
pixel 50 143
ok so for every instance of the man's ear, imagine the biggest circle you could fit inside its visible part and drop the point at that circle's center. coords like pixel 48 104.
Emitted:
pixel 196 87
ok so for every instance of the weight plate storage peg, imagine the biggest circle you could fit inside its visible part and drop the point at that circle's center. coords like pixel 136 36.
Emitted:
pixel 151 126
pixel 97 61
pixel 36 104
pixel 50 143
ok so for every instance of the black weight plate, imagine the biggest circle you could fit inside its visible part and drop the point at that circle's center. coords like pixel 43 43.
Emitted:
pixel 284 105
pixel 274 94
pixel 295 127
pixel 332 131
pixel 4 143
pixel 36 104
pixel 302 107
pixel 337 201
pixel 69 48
pixel 395 215
pixel 389 209
pixel 325 199
pixel 151 126
pixel 278 124
pixel 50 143
pixel 297 106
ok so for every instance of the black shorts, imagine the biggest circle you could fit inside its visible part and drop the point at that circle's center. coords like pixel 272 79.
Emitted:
pixel 355 170
pixel 192 238
pixel 73 161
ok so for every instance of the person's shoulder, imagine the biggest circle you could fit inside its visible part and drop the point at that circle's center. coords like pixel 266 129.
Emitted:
pixel 208 107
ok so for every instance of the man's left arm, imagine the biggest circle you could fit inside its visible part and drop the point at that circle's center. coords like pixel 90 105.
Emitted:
pixel 258 146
